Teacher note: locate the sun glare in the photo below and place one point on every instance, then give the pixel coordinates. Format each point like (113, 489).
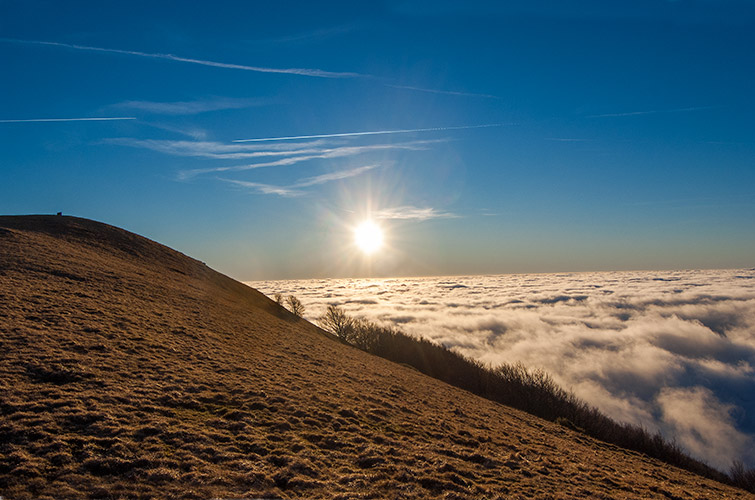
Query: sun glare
(368, 236)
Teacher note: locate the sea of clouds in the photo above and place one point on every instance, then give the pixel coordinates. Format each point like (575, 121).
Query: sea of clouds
(671, 351)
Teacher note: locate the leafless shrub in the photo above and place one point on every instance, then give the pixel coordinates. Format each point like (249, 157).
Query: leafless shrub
(295, 305)
(337, 322)
(742, 477)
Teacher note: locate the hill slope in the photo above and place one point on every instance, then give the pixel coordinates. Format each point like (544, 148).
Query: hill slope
(130, 370)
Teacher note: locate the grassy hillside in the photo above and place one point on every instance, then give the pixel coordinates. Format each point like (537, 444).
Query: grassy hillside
(128, 370)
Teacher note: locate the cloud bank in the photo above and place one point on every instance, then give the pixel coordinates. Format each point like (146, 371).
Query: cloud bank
(672, 351)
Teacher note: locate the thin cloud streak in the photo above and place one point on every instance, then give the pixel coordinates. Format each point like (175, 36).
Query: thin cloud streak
(42, 120)
(294, 189)
(376, 132)
(412, 213)
(196, 133)
(565, 139)
(653, 112)
(265, 188)
(334, 176)
(217, 150)
(446, 92)
(307, 36)
(316, 73)
(189, 107)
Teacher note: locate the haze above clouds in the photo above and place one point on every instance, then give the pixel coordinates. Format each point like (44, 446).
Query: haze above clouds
(672, 351)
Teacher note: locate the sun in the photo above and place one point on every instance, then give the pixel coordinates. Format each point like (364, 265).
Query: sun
(369, 237)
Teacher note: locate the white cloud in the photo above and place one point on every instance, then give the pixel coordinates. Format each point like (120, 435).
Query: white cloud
(703, 424)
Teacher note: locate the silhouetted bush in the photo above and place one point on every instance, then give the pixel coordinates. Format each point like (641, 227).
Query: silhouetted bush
(337, 322)
(534, 392)
(744, 478)
(295, 306)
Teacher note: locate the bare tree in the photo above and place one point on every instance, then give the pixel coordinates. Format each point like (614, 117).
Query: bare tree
(295, 306)
(278, 298)
(337, 322)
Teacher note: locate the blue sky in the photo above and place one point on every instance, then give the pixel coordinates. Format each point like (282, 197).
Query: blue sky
(530, 136)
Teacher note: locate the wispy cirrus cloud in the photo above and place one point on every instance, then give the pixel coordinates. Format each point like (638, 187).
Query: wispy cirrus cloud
(196, 133)
(265, 188)
(326, 153)
(373, 132)
(217, 150)
(42, 120)
(653, 112)
(295, 189)
(412, 213)
(311, 72)
(334, 176)
(291, 153)
(189, 107)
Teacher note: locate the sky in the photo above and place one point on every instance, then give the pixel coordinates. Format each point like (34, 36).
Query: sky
(482, 137)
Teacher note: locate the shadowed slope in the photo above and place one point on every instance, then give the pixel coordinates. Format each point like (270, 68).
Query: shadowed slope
(130, 370)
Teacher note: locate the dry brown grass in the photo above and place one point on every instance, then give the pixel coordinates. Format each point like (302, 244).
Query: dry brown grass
(128, 370)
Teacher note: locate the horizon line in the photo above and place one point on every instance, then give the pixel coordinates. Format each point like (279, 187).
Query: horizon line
(511, 273)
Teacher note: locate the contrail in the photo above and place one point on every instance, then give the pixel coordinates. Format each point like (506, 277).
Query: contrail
(653, 112)
(106, 119)
(447, 92)
(376, 132)
(291, 71)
